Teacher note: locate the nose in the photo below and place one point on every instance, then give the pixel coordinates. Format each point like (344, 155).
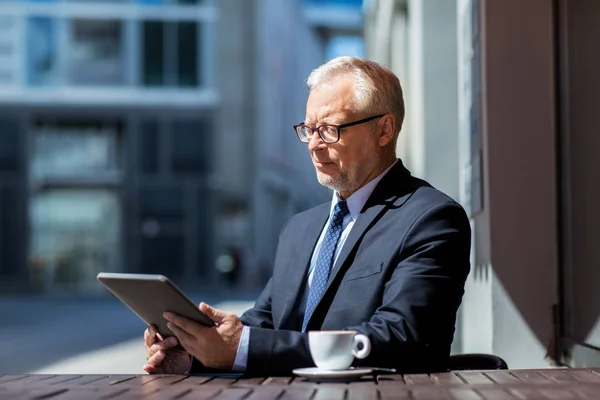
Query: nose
(315, 142)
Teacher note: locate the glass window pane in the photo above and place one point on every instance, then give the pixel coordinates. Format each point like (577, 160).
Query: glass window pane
(187, 53)
(153, 70)
(190, 147)
(67, 149)
(96, 53)
(148, 145)
(9, 145)
(9, 49)
(75, 235)
(10, 231)
(161, 203)
(42, 51)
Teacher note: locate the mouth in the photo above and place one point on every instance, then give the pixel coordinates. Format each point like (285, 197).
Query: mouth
(322, 164)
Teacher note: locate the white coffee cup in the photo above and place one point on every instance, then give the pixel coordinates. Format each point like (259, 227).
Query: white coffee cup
(335, 350)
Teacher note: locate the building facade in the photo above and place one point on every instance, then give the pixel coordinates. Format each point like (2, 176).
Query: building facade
(500, 113)
(154, 136)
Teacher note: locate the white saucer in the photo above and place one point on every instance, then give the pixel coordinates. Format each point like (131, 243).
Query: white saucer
(317, 374)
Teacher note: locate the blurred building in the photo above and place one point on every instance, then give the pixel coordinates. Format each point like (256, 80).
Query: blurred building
(151, 135)
(501, 114)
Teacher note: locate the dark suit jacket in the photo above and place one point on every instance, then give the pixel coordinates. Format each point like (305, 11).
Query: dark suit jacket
(399, 279)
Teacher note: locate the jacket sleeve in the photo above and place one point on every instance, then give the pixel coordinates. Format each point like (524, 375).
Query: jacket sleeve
(413, 327)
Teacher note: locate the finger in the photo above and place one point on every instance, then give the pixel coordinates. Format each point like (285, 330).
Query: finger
(216, 315)
(150, 336)
(166, 344)
(181, 322)
(183, 336)
(151, 369)
(157, 358)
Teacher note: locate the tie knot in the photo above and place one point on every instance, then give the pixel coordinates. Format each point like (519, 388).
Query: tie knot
(340, 210)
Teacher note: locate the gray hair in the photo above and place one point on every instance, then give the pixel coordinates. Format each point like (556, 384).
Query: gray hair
(376, 88)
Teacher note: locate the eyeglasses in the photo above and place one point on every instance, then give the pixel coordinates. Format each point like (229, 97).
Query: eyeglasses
(329, 133)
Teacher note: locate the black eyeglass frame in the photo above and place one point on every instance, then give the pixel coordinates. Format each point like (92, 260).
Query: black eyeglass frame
(338, 127)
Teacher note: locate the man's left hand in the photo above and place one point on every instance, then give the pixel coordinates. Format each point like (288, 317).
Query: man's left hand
(215, 347)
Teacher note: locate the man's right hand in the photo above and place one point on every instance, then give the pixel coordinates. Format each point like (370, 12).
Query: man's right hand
(162, 355)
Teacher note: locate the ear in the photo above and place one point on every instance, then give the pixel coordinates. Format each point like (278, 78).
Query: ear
(387, 125)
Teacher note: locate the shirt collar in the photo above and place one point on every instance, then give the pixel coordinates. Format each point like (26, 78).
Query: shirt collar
(357, 200)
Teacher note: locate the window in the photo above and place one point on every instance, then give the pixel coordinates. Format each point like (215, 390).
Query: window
(67, 149)
(153, 36)
(190, 147)
(42, 51)
(187, 55)
(9, 145)
(169, 53)
(96, 53)
(148, 137)
(8, 49)
(75, 235)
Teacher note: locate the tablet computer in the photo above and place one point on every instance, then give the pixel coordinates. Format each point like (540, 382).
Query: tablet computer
(149, 296)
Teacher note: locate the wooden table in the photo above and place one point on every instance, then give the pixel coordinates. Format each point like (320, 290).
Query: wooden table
(560, 384)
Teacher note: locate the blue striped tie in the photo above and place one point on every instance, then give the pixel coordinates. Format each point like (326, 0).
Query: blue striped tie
(325, 260)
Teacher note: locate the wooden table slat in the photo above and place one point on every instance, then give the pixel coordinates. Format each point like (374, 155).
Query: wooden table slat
(494, 393)
(417, 379)
(297, 393)
(169, 393)
(250, 382)
(430, 393)
(447, 379)
(362, 393)
(88, 380)
(472, 377)
(11, 378)
(526, 393)
(325, 392)
(137, 380)
(389, 392)
(165, 381)
(559, 375)
(395, 380)
(205, 393)
(503, 378)
(586, 392)
(233, 394)
(265, 392)
(558, 394)
(278, 380)
(130, 393)
(584, 375)
(531, 377)
(465, 394)
(30, 394)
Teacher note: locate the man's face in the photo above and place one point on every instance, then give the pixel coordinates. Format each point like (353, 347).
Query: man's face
(348, 164)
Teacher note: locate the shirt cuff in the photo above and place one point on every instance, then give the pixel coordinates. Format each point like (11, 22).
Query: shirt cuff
(241, 358)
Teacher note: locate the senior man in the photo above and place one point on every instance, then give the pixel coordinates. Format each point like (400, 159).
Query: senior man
(387, 257)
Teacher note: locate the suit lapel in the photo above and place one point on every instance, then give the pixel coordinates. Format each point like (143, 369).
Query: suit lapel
(306, 247)
(385, 194)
